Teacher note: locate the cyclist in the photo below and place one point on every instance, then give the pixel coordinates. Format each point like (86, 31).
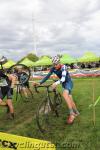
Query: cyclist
(67, 84)
(23, 79)
(6, 89)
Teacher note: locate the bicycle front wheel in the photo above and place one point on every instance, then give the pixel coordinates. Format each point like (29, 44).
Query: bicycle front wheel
(58, 99)
(55, 103)
(43, 116)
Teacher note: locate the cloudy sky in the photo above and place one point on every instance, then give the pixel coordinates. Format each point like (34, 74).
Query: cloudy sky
(49, 27)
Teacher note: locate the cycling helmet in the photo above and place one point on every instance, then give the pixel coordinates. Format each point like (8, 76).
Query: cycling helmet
(55, 60)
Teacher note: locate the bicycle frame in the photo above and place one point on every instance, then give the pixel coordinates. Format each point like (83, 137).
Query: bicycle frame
(46, 107)
(19, 91)
(47, 92)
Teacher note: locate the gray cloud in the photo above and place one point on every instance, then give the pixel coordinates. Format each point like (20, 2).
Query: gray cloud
(51, 26)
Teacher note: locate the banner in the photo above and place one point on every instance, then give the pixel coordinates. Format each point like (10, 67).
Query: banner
(13, 142)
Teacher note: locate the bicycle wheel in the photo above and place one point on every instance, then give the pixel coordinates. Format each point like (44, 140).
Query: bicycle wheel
(22, 72)
(58, 99)
(53, 106)
(43, 116)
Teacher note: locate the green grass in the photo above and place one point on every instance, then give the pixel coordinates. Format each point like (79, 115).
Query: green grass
(82, 135)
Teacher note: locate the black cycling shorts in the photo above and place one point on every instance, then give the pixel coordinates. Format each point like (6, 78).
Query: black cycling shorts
(6, 91)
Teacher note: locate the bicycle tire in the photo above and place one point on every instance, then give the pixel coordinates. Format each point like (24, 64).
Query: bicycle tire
(42, 116)
(56, 102)
(27, 72)
(59, 99)
(53, 106)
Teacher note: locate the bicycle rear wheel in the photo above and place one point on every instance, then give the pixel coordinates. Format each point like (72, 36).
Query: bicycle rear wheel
(21, 71)
(43, 116)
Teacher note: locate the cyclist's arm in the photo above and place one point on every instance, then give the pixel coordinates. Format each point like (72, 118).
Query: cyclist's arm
(47, 76)
(63, 78)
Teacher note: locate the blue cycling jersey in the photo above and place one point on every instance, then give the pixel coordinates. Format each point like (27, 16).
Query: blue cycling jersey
(62, 74)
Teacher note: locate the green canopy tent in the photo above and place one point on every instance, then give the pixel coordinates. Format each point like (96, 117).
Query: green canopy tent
(27, 62)
(67, 59)
(88, 57)
(44, 61)
(9, 64)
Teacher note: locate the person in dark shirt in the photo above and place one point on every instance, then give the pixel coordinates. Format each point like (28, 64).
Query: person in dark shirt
(65, 80)
(24, 82)
(7, 83)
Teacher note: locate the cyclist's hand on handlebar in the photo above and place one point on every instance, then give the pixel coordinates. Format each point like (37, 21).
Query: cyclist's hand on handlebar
(54, 86)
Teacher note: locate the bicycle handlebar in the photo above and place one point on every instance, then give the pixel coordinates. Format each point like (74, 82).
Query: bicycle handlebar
(45, 86)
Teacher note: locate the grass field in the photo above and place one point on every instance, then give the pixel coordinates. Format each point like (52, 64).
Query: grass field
(82, 135)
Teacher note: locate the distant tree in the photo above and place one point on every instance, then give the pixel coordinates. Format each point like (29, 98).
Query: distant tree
(46, 56)
(21, 60)
(30, 56)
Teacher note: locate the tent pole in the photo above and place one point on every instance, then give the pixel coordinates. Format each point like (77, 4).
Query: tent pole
(93, 101)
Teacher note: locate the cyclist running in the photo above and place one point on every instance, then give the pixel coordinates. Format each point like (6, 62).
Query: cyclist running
(67, 84)
(6, 89)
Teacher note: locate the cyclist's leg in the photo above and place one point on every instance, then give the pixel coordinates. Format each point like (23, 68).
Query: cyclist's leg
(27, 89)
(70, 86)
(68, 100)
(2, 95)
(74, 105)
(71, 116)
(10, 105)
(67, 87)
(9, 102)
(66, 94)
(24, 91)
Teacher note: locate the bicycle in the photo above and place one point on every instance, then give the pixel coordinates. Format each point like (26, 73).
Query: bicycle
(23, 74)
(47, 107)
(19, 93)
